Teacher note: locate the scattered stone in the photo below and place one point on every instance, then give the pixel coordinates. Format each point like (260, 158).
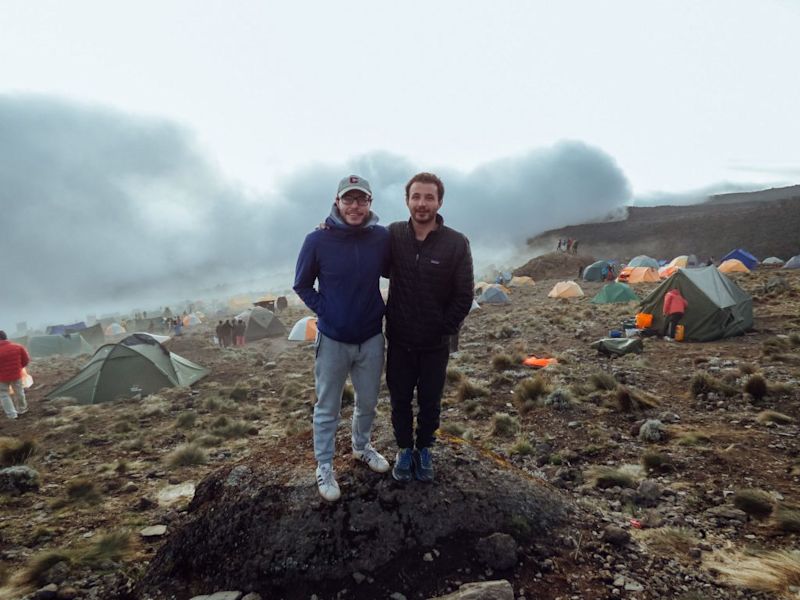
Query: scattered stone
(633, 586)
(129, 488)
(648, 493)
(498, 551)
(67, 593)
(359, 577)
(252, 596)
(427, 557)
(47, 592)
(56, 574)
(397, 596)
(481, 590)
(227, 595)
(153, 531)
(616, 536)
(18, 480)
(727, 513)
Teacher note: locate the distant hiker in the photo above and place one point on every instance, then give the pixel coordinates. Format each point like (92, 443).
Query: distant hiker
(218, 333)
(281, 303)
(430, 293)
(346, 258)
(569, 245)
(227, 334)
(580, 272)
(241, 327)
(13, 358)
(575, 247)
(558, 248)
(674, 308)
(178, 325)
(167, 313)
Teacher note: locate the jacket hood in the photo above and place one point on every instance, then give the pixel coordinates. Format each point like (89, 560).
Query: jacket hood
(336, 222)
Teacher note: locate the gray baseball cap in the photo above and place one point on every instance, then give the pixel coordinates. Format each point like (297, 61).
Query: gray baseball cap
(353, 182)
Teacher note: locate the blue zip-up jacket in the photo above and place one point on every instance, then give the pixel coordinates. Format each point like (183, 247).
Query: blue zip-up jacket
(348, 262)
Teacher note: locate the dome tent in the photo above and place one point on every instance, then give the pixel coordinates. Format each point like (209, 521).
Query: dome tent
(597, 271)
(643, 261)
(305, 330)
(566, 289)
(615, 293)
(137, 365)
(493, 295)
(261, 323)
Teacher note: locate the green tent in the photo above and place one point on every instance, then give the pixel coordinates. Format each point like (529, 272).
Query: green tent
(71, 344)
(137, 365)
(261, 323)
(718, 308)
(615, 293)
(618, 346)
(93, 335)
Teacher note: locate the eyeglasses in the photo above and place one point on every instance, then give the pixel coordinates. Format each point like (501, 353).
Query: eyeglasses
(361, 201)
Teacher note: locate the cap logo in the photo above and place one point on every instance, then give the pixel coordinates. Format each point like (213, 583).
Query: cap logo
(354, 180)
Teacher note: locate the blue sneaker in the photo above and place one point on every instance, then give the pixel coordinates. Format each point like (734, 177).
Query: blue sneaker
(403, 465)
(423, 465)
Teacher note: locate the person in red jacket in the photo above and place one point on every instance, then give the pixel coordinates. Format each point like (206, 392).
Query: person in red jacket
(674, 308)
(13, 358)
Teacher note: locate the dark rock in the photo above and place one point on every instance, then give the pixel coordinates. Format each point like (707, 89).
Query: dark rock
(18, 480)
(648, 493)
(47, 592)
(498, 551)
(265, 529)
(616, 536)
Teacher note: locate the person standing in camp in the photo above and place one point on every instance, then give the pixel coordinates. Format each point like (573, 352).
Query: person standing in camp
(227, 333)
(575, 247)
(430, 294)
(346, 257)
(13, 359)
(675, 306)
(218, 332)
(241, 327)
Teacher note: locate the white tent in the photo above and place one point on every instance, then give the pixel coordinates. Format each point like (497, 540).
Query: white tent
(305, 330)
(566, 289)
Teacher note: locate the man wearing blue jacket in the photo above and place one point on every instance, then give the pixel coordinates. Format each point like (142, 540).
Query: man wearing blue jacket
(346, 258)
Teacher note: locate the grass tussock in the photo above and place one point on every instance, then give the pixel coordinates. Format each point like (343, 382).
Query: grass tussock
(82, 490)
(454, 375)
(37, 567)
(186, 420)
(772, 572)
(669, 541)
(772, 416)
(693, 438)
(747, 368)
(560, 399)
(521, 448)
(502, 362)
(780, 389)
(529, 391)
(468, 390)
(756, 386)
(453, 428)
(187, 455)
(776, 346)
(656, 462)
(600, 380)
(504, 425)
(607, 477)
(239, 393)
(630, 400)
(787, 519)
(703, 383)
(15, 452)
(111, 546)
(756, 503)
(207, 441)
(234, 429)
(794, 339)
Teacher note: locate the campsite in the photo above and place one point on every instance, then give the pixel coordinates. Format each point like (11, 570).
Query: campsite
(676, 468)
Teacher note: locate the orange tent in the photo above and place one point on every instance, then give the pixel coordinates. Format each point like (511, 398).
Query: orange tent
(638, 275)
(667, 271)
(733, 265)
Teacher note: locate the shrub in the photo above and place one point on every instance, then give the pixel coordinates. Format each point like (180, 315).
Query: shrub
(186, 420)
(559, 399)
(600, 380)
(775, 346)
(629, 400)
(794, 339)
(606, 477)
(656, 462)
(453, 428)
(187, 455)
(112, 546)
(771, 416)
(787, 518)
(756, 386)
(454, 375)
(531, 388)
(239, 393)
(669, 540)
(652, 430)
(38, 566)
(502, 362)
(207, 441)
(15, 452)
(703, 383)
(468, 390)
(754, 502)
(472, 408)
(747, 368)
(504, 425)
(521, 448)
(83, 490)
(234, 429)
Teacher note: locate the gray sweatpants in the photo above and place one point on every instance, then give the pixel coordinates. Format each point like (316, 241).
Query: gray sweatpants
(19, 396)
(335, 361)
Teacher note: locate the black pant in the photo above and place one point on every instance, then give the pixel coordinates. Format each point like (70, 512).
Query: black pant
(426, 371)
(670, 322)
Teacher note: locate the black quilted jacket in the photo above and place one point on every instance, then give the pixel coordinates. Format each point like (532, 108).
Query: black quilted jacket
(430, 286)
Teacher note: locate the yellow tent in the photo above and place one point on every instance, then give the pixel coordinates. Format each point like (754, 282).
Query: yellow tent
(638, 275)
(566, 289)
(679, 261)
(733, 265)
(521, 281)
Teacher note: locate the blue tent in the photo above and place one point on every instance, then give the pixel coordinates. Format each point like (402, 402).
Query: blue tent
(62, 329)
(748, 260)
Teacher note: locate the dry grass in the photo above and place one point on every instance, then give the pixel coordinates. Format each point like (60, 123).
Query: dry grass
(747, 368)
(521, 448)
(781, 389)
(776, 346)
(468, 390)
(787, 519)
(502, 362)
(693, 438)
(528, 392)
(454, 375)
(34, 571)
(600, 380)
(772, 416)
(630, 400)
(773, 572)
(15, 452)
(606, 477)
(656, 462)
(756, 386)
(80, 490)
(186, 420)
(703, 383)
(187, 455)
(504, 425)
(673, 542)
(453, 428)
(111, 546)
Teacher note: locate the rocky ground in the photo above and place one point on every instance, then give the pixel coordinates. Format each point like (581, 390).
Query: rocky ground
(676, 471)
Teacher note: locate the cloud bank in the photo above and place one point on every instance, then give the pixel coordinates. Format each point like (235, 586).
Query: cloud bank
(100, 206)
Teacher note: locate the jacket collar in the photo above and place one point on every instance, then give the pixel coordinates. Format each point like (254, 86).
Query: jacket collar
(335, 221)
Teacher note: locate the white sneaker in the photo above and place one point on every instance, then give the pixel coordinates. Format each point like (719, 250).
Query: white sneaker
(372, 458)
(326, 483)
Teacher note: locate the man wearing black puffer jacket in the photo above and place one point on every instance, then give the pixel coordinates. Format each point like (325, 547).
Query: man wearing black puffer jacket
(430, 294)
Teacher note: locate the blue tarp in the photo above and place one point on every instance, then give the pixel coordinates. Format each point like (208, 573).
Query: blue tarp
(62, 329)
(749, 261)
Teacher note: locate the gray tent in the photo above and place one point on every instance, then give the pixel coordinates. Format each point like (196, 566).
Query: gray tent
(644, 261)
(493, 295)
(717, 307)
(93, 335)
(261, 323)
(71, 344)
(792, 263)
(137, 365)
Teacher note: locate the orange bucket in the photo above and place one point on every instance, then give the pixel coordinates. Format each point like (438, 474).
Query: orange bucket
(679, 333)
(643, 320)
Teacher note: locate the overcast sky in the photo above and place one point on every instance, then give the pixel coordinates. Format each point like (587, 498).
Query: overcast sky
(195, 113)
